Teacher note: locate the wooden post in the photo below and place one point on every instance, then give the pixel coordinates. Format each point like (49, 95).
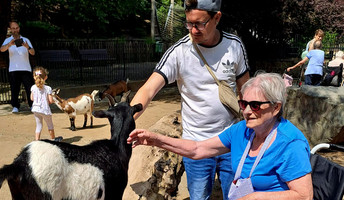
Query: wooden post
(172, 18)
(153, 19)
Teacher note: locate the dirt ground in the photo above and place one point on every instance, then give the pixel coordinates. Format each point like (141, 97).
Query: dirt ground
(17, 130)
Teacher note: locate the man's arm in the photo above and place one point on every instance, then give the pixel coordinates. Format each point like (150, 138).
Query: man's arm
(5, 47)
(148, 91)
(241, 82)
(29, 48)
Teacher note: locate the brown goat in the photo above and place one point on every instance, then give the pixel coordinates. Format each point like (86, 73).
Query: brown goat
(117, 88)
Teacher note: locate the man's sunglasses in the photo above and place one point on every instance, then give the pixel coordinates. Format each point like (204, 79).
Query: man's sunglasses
(254, 105)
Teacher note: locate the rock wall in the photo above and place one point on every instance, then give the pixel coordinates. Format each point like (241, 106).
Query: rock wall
(318, 111)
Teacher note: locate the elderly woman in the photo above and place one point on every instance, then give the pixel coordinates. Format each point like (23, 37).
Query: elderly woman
(268, 152)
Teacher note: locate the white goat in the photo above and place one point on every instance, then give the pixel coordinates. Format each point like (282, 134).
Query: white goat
(81, 104)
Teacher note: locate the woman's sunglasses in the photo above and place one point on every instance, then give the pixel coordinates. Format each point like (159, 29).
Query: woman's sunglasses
(254, 105)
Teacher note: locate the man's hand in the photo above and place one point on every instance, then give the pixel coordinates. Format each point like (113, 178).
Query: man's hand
(11, 43)
(26, 45)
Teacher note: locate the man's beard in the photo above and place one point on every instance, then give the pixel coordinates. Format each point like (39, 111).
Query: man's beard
(16, 35)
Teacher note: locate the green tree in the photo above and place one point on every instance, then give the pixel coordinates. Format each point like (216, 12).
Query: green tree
(330, 15)
(171, 24)
(263, 24)
(84, 18)
(4, 17)
(268, 25)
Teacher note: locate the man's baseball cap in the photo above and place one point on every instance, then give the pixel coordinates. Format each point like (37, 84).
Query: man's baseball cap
(207, 5)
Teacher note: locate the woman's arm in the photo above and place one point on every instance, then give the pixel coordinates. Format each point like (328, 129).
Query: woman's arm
(303, 61)
(311, 45)
(300, 189)
(188, 148)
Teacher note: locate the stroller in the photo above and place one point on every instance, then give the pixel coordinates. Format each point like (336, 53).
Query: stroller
(327, 176)
(332, 76)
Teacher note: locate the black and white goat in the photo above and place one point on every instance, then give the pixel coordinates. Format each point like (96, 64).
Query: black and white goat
(82, 104)
(55, 170)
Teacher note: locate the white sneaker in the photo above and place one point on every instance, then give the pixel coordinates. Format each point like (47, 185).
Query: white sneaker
(58, 139)
(15, 110)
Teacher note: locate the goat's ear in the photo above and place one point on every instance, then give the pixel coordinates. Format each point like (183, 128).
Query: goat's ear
(125, 97)
(55, 91)
(137, 108)
(100, 114)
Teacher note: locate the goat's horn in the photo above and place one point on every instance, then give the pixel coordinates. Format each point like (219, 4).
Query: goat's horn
(125, 96)
(111, 100)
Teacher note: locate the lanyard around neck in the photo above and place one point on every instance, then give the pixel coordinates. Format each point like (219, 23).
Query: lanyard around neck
(261, 152)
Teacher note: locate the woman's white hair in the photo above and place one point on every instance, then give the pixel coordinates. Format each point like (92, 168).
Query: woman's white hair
(271, 85)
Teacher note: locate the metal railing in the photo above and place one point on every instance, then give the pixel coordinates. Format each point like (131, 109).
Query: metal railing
(133, 59)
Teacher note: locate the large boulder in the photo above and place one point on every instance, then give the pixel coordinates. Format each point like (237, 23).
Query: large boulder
(318, 112)
(159, 171)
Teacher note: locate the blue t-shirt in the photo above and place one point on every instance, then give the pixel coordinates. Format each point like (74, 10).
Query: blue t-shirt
(287, 158)
(316, 60)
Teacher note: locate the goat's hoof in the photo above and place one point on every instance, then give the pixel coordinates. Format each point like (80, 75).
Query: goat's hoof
(72, 128)
(175, 121)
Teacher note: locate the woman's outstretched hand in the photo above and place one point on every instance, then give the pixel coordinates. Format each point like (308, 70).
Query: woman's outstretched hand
(141, 137)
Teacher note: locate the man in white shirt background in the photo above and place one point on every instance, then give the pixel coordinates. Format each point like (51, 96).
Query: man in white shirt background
(20, 71)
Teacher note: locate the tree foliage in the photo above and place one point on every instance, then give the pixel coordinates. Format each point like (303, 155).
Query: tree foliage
(4, 17)
(261, 24)
(170, 23)
(85, 18)
(280, 20)
(267, 25)
(330, 14)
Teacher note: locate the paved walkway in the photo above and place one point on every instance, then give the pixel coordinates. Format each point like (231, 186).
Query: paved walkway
(6, 109)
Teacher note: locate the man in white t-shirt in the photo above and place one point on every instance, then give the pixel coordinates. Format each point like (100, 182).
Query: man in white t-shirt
(203, 115)
(19, 49)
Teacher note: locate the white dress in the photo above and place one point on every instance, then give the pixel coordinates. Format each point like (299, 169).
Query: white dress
(40, 99)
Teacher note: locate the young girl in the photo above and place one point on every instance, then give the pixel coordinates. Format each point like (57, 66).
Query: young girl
(41, 97)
